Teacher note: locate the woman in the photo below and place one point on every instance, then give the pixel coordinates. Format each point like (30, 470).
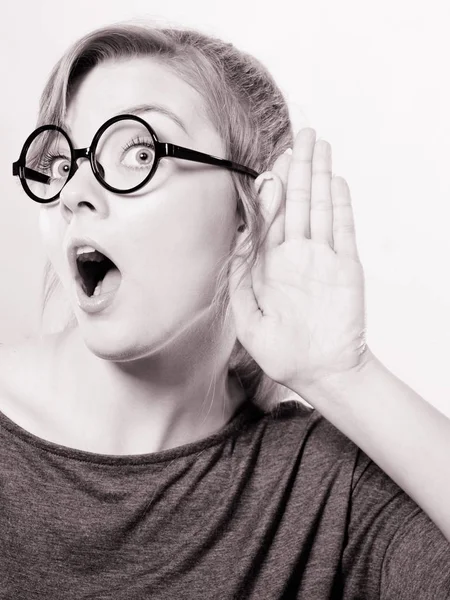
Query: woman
(209, 270)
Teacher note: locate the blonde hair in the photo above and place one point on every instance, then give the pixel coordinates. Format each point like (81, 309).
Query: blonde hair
(245, 105)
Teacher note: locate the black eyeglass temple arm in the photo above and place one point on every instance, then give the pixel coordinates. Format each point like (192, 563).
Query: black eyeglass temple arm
(40, 177)
(29, 173)
(187, 154)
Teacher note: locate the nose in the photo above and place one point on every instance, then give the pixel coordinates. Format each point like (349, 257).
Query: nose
(82, 188)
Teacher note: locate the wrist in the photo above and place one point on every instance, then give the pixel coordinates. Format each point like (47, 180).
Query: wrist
(335, 385)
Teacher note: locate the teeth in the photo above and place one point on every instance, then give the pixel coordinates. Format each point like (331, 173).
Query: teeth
(85, 249)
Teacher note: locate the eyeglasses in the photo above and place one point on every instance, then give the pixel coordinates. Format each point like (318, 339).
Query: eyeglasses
(124, 156)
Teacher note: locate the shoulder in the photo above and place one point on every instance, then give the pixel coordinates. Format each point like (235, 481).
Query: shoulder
(295, 413)
(302, 425)
(295, 443)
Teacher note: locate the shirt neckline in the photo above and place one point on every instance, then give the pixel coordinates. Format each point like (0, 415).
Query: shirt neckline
(246, 412)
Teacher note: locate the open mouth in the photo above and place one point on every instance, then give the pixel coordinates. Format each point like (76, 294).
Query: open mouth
(98, 273)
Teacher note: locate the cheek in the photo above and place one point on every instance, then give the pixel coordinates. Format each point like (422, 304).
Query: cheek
(201, 240)
(206, 213)
(183, 243)
(51, 236)
(205, 227)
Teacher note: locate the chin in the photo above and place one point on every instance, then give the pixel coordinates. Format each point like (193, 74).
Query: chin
(121, 342)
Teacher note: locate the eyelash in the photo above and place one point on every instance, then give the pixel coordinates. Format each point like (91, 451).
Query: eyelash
(48, 157)
(137, 142)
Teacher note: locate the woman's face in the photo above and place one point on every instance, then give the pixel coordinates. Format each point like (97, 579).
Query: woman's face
(169, 238)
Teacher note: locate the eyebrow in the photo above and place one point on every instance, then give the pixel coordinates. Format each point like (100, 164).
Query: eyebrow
(142, 108)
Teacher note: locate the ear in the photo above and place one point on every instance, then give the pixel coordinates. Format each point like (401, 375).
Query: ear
(270, 188)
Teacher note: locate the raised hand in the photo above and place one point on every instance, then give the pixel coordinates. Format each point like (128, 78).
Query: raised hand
(300, 312)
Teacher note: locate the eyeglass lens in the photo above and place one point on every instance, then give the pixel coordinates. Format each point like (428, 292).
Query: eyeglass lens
(125, 154)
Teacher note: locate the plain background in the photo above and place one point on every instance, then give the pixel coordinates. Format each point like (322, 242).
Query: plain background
(372, 78)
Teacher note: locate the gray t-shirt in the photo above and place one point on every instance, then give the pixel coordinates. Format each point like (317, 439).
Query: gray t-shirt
(276, 505)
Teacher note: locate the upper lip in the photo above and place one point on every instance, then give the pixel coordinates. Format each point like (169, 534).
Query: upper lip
(83, 241)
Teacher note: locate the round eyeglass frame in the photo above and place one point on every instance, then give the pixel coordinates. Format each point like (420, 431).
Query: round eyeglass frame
(162, 149)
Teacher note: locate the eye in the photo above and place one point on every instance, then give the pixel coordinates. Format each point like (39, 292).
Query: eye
(56, 165)
(139, 153)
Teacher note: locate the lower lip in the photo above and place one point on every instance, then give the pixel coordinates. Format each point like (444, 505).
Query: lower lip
(94, 304)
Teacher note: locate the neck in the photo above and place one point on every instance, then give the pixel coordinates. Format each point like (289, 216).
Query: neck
(167, 398)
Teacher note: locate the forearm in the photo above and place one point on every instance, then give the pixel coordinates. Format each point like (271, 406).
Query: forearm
(402, 433)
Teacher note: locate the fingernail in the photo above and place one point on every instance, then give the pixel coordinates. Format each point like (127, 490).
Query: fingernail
(288, 151)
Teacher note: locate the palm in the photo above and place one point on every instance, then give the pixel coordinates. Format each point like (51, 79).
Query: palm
(310, 300)
(300, 311)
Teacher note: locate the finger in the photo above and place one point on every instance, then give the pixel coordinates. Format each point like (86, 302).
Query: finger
(343, 219)
(321, 204)
(298, 192)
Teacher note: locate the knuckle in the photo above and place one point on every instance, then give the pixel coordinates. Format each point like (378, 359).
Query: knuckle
(347, 227)
(298, 194)
(301, 160)
(321, 169)
(322, 204)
